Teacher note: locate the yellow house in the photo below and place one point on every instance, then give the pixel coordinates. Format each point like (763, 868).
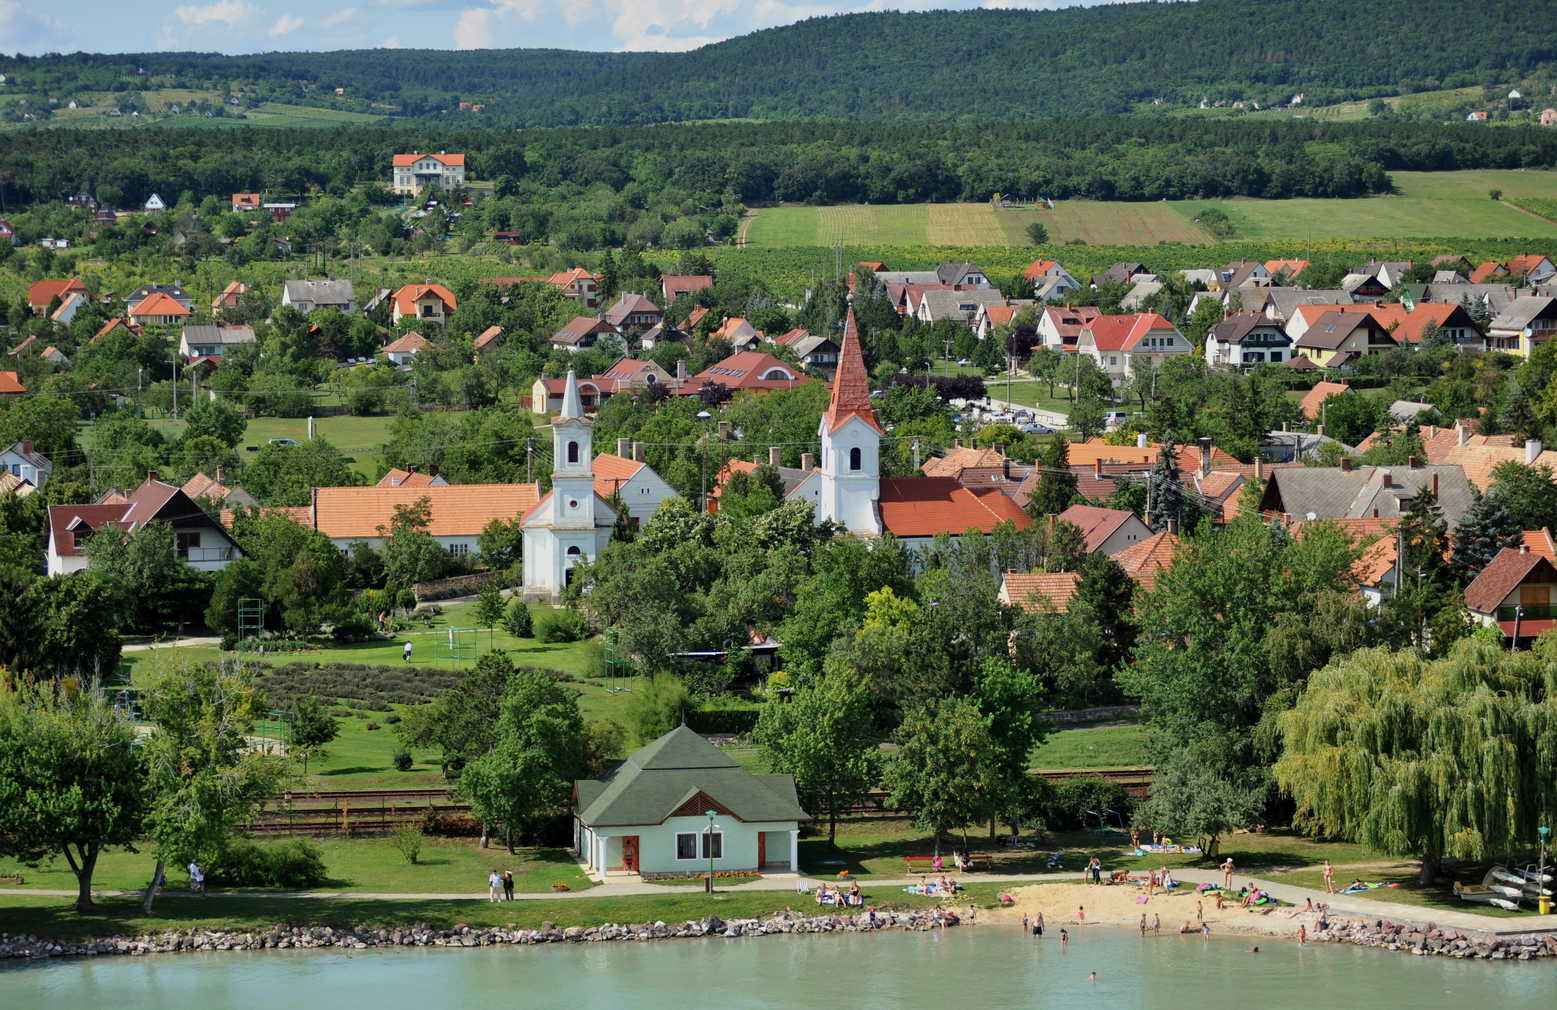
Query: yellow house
(1340, 336)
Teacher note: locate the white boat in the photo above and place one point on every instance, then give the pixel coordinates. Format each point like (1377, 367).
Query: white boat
(1534, 874)
(1483, 895)
(1508, 876)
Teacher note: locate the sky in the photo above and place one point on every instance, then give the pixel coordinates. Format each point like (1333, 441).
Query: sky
(247, 26)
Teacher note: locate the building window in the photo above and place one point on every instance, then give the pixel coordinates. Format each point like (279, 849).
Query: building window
(712, 840)
(574, 552)
(686, 846)
(459, 550)
(572, 452)
(185, 542)
(854, 458)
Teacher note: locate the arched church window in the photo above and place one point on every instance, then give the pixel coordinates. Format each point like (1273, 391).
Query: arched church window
(572, 452)
(854, 458)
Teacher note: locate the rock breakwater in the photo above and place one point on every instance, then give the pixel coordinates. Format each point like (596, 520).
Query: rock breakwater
(282, 937)
(1428, 940)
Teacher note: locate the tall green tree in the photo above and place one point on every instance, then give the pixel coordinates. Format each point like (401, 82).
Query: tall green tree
(1441, 758)
(538, 751)
(460, 723)
(203, 776)
(1527, 492)
(71, 780)
(309, 727)
(825, 736)
(1486, 528)
(946, 773)
(1056, 490)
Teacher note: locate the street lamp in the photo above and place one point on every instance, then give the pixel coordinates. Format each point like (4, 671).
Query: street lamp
(1540, 874)
(708, 843)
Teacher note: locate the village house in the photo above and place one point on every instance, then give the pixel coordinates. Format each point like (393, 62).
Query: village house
(1050, 281)
(624, 478)
(22, 461)
(990, 317)
(242, 202)
(414, 477)
(199, 342)
(1245, 339)
(404, 348)
(673, 286)
(214, 490)
(1337, 337)
(1241, 273)
(1122, 273)
(1527, 322)
(678, 806)
(740, 334)
(1314, 399)
(306, 296)
(173, 291)
(1039, 592)
(1365, 492)
(1059, 326)
(634, 312)
(153, 204)
(229, 298)
(572, 523)
(1532, 267)
(118, 324)
(959, 306)
(199, 541)
(411, 172)
(582, 333)
(1117, 344)
(746, 370)
(159, 309)
(813, 351)
(625, 375)
(457, 513)
(8, 232)
(1515, 594)
(10, 385)
(1107, 530)
(1285, 271)
(423, 303)
(41, 294)
(577, 284)
(486, 339)
(1414, 324)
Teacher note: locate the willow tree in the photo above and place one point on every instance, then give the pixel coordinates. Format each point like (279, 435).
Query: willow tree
(1446, 758)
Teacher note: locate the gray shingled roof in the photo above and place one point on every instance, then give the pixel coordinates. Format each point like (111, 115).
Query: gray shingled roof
(1334, 493)
(1287, 300)
(659, 777)
(338, 292)
(1523, 311)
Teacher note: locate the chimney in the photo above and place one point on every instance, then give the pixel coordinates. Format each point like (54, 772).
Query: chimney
(1411, 462)
(26, 445)
(1532, 450)
(623, 447)
(313, 507)
(956, 443)
(1319, 430)
(1433, 483)
(1384, 480)
(1524, 548)
(1286, 426)
(808, 461)
(1000, 447)
(1097, 468)
(775, 456)
(1346, 464)
(151, 475)
(1140, 440)
(681, 370)
(1459, 433)
(1205, 456)
(724, 431)
(1375, 512)
(638, 452)
(1148, 517)
(218, 475)
(1173, 527)
(1259, 469)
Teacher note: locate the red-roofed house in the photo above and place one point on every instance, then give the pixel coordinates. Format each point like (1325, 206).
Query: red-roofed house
(576, 284)
(746, 370)
(245, 201)
(1411, 326)
(425, 303)
(413, 171)
(486, 338)
(1315, 398)
(1533, 267)
(1060, 326)
(1292, 268)
(158, 309)
(413, 477)
(198, 539)
(673, 286)
(1106, 530)
(1116, 343)
(1143, 560)
(631, 482)
(40, 294)
(1515, 594)
(117, 324)
(1039, 592)
(406, 347)
(625, 375)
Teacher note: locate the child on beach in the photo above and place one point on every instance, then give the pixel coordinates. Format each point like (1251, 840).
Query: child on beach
(1200, 911)
(1081, 913)
(1038, 925)
(1064, 938)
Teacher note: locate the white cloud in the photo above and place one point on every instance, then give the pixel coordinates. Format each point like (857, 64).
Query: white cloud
(23, 29)
(223, 12)
(341, 16)
(473, 30)
(286, 24)
(393, 42)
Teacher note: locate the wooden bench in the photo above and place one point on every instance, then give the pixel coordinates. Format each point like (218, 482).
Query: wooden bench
(920, 864)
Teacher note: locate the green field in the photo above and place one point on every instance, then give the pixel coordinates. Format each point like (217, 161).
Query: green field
(1112, 746)
(1428, 205)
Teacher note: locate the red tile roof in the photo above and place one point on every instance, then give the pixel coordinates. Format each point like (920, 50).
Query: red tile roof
(957, 460)
(612, 471)
(1097, 524)
(746, 370)
(41, 293)
(1540, 542)
(408, 342)
(397, 477)
(407, 297)
(159, 303)
(851, 384)
(1038, 268)
(1511, 567)
(456, 509)
(1144, 559)
(1292, 267)
(488, 335)
(114, 324)
(926, 506)
(10, 384)
(1040, 592)
(450, 160)
(1521, 265)
(1486, 271)
(1316, 397)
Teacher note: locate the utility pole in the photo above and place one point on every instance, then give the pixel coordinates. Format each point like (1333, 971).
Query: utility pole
(529, 457)
(175, 382)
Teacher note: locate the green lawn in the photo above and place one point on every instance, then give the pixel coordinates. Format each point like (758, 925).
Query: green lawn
(969, 224)
(1429, 204)
(1030, 393)
(361, 438)
(1113, 746)
(367, 865)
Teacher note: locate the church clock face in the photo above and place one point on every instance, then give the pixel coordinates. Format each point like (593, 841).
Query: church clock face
(572, 504)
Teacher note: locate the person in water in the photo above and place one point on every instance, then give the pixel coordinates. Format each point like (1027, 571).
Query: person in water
(1038, 925)
(1093, 977)
(1064, 938)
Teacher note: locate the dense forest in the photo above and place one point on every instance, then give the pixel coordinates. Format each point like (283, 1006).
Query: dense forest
(705, 165)
(987, 65)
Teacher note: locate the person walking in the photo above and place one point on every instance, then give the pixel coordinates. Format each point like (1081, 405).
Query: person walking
(1200, 911)
(1227, 873)
(1038, 925)
(1156, 924)
(508, 885)
(494, 884)
(196, 878)
(1143, 923)
(1096, 866)
(405, 652)
(1329, 877)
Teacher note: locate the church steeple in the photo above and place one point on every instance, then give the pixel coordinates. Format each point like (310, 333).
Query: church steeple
(851, 442)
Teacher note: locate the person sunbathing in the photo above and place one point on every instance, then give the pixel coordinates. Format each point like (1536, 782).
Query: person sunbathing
(1186, 928)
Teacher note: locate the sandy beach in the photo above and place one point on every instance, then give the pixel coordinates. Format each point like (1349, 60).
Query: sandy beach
(1116, 905)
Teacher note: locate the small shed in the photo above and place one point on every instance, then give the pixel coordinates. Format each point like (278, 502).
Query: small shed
(650, 814)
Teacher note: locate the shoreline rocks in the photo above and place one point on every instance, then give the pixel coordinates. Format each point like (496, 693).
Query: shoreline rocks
(1427, 940)
(283, 937)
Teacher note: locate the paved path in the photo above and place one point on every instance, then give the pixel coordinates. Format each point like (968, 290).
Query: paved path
(173, 643)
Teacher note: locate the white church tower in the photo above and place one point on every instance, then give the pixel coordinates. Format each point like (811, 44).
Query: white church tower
(851, 444)
(572, 524)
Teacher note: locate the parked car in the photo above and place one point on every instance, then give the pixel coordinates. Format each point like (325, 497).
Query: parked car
(1034, 428)
(286, 441)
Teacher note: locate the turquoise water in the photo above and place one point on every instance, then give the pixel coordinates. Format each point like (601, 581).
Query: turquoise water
(981, 968)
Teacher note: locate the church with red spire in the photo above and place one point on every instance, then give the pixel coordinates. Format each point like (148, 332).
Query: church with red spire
(852, 491)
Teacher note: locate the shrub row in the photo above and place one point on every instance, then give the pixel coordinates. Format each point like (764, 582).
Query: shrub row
(295, 864)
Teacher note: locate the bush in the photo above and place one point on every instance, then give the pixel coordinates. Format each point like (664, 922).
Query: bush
(403, 762)
(296, 864)
(271, 643)
(407, 839)
(1082, 793)
(392, 718)
(723, 721)
(657, 707)
(370, 727)
(517, 621)
(1037, 234)
(356, 628)
(560, 626)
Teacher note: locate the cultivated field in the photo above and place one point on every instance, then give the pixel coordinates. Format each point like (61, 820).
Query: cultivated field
(1428, 205)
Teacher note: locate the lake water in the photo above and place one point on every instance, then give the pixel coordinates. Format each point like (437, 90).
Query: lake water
(982, 968)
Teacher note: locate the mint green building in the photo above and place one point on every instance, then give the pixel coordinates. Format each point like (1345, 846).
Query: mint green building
(649, 814)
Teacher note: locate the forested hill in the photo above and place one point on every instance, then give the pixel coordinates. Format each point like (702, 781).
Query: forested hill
(969, 65)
